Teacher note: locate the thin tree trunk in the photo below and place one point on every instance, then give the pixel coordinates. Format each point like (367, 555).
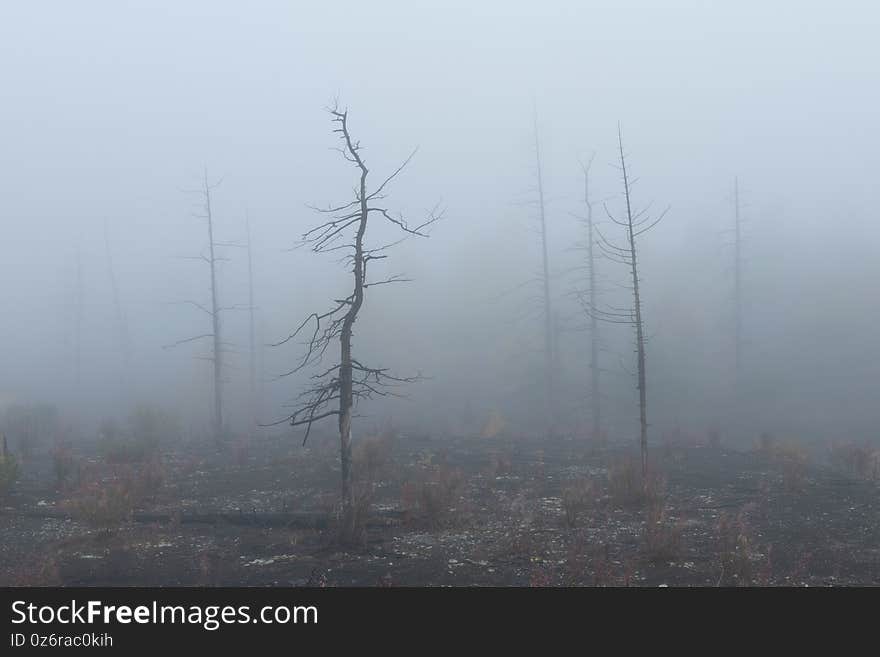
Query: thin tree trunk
(640, 337)
(78, 318)
(737, 290)
(594, 323)
(346, 397)
(252, 364)
(548, 312)
(215, 319)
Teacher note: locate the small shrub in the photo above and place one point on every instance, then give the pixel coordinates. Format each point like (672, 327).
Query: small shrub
(624, 482)
(627, 488)
(434, 498)
(577, 498)
(500, 465)
(64, 465)
(862, 461)
(103, 505)
(9, 473)
(607, 572)
(540, 577)
(372, 456)
(352, 523)
(793, 461)
(735, 552)
(661, 537)
(766, 442)
(794, 470)
(31, 425)
(123, 451)
(148, 479)
(493, 426)
(518, 545)
(151, 426)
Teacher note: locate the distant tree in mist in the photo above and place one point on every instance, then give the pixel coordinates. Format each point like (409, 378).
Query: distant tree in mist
(78, 318)
(737, 284)
(337, 389)
(252, 340)
(635, 223)
(218, 347)
(546, 300)
(589, 299)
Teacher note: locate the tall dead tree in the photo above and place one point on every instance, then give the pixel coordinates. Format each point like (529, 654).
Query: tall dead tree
(252, 344)
(211, 259)
(737, 284)
(635, 223)
(338, 388)
(549, 330)
(78, 317)
(217, 351)
(591, 301)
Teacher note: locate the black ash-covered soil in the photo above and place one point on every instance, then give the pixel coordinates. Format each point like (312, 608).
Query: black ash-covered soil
(445, 511)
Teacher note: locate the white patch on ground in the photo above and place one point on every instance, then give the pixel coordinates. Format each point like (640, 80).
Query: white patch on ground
(269, 560)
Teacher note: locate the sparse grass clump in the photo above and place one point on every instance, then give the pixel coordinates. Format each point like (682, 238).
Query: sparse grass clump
(577, 497)
(737, 554)
(794, 469)
(123, 451)
(662, 536)
(792, 459)
(104, 505)
(351, 529)
(500, 464)
(65, 467)
(372, 456)
(627, 487)
(9, 473)
(860, 460)
(434, 499)
(30, 426)
(106, 500)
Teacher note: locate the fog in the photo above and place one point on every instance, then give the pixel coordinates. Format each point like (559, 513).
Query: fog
(112, 111)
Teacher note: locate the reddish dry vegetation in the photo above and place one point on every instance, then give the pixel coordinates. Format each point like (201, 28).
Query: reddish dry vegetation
(446, 511)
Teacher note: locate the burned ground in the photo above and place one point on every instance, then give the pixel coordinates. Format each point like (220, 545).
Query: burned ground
(444, 511)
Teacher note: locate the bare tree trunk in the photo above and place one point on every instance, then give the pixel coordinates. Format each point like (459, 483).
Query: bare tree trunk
(637, 302)
(737, 286)
(346, 397)
(549, 383)
(217, 356)
(595, 398)
(635, 224)
(335, 391)
(252, 345)
(78, 319)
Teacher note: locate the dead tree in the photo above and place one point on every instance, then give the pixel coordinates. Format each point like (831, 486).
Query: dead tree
(217, 351)
(591, 301)
(337, 389)
(78, 317)
(737, 284)
(549, 330)
(635, 223)
(211, 259)
(252, 351)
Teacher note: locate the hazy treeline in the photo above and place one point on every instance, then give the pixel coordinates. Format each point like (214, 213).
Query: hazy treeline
(106, 135)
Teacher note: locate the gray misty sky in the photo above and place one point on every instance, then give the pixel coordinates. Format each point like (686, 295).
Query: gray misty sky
(110, 110)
